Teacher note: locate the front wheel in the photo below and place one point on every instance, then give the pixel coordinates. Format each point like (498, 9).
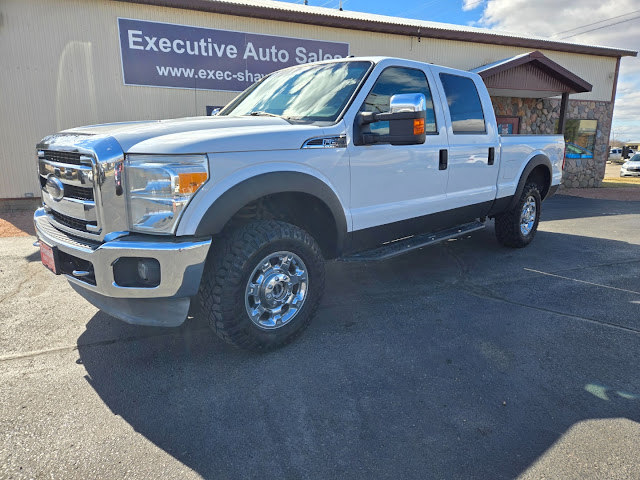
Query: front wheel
(517, 227)
(262, 284)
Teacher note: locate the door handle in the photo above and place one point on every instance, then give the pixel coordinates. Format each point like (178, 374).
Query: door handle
(444, 159)
(492, 155)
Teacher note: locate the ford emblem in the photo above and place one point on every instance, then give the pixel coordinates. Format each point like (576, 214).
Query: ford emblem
(55, 188)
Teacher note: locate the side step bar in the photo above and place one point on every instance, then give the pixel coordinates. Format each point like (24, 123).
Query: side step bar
(398, 247)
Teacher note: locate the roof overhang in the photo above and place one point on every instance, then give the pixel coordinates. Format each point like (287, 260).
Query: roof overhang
(530, 75)
(326, 17)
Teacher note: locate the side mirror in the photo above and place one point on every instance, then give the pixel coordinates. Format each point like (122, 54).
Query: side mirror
(406, 117)
(408, 102)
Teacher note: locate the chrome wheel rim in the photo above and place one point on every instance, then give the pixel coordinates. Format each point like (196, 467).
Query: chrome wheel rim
(276, 290)
(528, 215)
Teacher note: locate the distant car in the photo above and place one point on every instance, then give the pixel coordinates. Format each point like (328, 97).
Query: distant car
(615, 154)
(576, 151)
(631, 168)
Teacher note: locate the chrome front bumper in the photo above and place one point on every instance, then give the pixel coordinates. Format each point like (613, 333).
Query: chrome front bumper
(181, 266)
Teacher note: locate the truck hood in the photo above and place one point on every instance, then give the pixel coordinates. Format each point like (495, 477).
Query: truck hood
(204, 134)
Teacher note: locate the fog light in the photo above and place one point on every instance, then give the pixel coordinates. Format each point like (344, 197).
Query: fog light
(136, 272)
(149, 270)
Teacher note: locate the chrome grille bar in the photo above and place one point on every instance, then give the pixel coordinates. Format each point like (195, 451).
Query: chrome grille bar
(76, 208)
(78, 175)
(83, 167)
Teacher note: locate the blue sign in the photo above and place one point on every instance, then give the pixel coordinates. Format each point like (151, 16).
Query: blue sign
(179, 56)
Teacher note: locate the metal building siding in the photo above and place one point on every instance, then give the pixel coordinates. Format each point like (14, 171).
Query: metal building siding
(61, 68)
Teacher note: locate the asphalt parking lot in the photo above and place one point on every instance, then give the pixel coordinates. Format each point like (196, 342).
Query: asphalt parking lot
(463, 360)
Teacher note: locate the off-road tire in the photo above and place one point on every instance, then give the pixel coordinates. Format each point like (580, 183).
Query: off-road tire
(231, 261)
(507, 224)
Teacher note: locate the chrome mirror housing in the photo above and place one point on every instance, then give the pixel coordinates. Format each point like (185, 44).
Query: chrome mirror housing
(408, 102)
(406, 117)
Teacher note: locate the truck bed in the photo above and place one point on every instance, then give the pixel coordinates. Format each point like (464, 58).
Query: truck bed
(513, 148)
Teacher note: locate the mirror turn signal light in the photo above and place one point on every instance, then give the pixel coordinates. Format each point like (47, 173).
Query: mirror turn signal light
(418, 126)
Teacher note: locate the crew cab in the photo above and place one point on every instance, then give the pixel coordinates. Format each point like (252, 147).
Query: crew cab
(357, 159)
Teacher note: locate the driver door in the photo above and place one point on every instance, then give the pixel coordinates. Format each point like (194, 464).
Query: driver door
(394, 188)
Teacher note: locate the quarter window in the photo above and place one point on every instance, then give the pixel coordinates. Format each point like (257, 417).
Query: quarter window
(464, 104)
(393, 81)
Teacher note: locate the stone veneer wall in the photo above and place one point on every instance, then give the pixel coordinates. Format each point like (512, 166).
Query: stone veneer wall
(538, 116)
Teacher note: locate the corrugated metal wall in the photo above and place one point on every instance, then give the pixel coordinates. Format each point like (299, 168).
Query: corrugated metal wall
(61, 68)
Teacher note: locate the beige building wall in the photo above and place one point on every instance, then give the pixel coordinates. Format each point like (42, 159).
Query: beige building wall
(61, 68)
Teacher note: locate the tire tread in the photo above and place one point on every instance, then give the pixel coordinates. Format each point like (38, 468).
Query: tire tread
(222, 287)
(507, 224)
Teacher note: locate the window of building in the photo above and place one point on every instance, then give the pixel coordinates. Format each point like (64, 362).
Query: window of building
(394, 81)
(464, 104)
(508, 125)
(580, 138)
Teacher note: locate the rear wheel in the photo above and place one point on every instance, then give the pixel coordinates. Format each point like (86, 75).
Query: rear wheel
(262, 284)
(517, 227)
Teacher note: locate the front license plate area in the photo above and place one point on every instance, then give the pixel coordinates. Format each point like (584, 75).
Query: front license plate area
(49, 257)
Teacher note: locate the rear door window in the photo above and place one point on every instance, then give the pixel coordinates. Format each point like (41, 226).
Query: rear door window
(464, 104)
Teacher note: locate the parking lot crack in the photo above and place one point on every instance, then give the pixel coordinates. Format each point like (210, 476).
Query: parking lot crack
(28, 277)
(597, 265)
(481, 292)
(582, 281)
(70, 348)
(463, 268)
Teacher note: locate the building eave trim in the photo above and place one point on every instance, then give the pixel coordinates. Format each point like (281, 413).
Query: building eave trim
(265, 12)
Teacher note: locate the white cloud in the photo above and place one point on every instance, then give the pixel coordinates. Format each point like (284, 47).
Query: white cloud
(555, 19)
(471, 4)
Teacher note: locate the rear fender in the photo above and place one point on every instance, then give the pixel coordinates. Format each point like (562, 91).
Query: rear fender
(533, 163)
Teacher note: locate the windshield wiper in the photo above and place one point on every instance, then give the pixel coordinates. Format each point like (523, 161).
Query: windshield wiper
(261, 113)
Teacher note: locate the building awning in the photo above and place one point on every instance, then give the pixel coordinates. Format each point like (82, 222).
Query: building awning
(530, 75)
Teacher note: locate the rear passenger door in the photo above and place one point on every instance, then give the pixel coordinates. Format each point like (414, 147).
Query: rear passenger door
(473, 145)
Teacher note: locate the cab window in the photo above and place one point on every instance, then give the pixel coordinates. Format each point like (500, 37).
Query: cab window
(464, 104)
(393, 81)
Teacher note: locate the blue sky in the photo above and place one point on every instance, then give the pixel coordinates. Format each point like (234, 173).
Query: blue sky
(446, 11)
(613, 23)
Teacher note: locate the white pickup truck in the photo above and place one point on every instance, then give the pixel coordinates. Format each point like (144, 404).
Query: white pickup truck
(330, 160)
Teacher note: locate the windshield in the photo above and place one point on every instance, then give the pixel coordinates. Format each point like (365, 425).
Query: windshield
(308, 93)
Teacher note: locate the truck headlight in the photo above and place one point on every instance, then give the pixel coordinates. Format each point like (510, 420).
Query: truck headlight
(159, 188)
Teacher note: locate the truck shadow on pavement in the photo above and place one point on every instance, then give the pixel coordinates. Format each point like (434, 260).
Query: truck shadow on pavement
(466, 360)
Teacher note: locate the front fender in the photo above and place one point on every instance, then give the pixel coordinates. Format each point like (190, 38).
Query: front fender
(222, 208)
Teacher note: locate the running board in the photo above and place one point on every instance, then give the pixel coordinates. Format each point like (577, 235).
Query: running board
(398, 247)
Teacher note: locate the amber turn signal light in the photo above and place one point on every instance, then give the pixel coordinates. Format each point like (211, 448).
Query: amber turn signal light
(190, 182)
(418, 126)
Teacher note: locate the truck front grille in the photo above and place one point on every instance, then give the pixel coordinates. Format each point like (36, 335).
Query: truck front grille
(71, 158)
(79, 193)
(70, 196)
(71, 191)
(72, 222)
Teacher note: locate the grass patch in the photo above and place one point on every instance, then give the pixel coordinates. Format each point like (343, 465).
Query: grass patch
(619, 182)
